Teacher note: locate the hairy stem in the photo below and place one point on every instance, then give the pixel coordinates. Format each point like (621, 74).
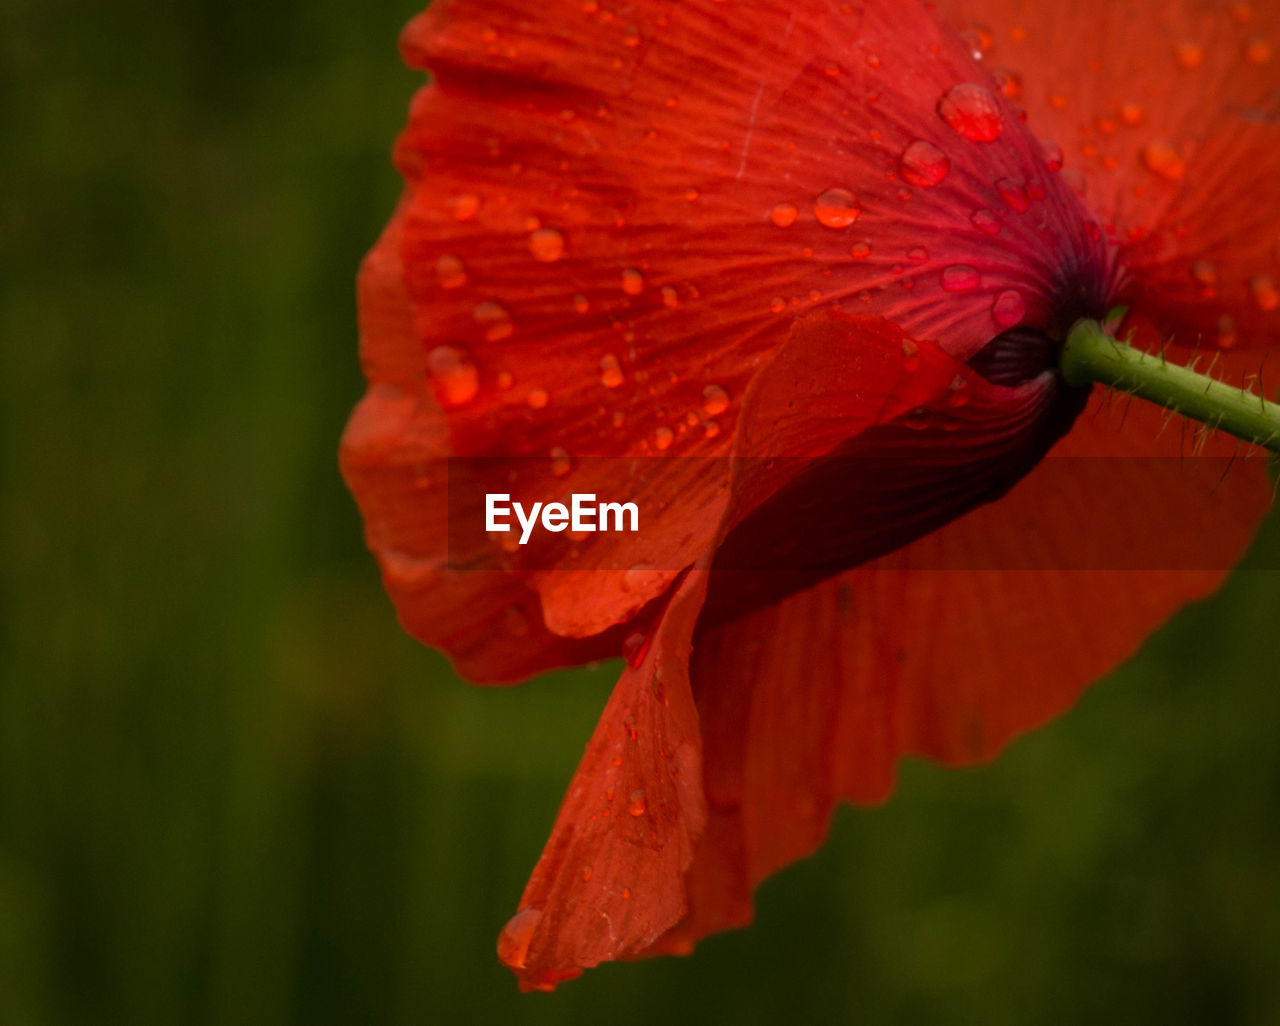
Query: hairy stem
(1090, 355)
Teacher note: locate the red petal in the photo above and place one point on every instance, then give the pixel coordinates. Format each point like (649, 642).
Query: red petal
(891, 439)
(595, 225)
(395, 460)
(610, 880)
(1168, 114)
(952, 646)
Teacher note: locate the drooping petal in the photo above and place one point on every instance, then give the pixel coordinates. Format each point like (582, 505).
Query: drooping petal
(1167, 115)
(952, 646)
(613, 218)
(611, 878)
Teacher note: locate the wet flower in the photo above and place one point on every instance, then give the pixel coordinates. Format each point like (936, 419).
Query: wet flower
(793, 277)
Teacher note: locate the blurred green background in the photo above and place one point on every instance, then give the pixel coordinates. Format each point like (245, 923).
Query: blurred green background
(231, 791)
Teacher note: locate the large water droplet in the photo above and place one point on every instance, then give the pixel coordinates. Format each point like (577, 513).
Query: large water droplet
(1163, 159)
(632, 282)
(453, 374)
(960, 278)
(973, 111)
(546, 245)
(715, 400)
(924, 164)
(636, 802)
(494, 320)
(836, 208)
(784, 215)
(450, 271)
(1008, 309)
(663, 437)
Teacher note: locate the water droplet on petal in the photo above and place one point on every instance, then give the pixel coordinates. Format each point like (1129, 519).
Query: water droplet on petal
(1013, 193)
(715, 400)
(691, 194)
(663, 437)
(1164, 160)
(546, 245)
(537, 398)
(1052, 154)
(610, 371)
(1008, 309)
(586, 873)
(1205, 275)
(777, 304)
(1264, 292)
(1257, 50)
(494, 320)
(973, 111)
(1189, 55)
(639, 576)
(1226, 332)
(1131, 113)
(632, 282)
(561, 461)
(636, 802)
(1008, 82)
(450, 271)
(581, 304)
(918, 253)
(516, 936)
(836, 208)
(454, 377)
(960, 278)
(464, 207)
(669, 296)
(636, 647)
(923, 164)
(784, 215)
(860, 250)
(985, 220)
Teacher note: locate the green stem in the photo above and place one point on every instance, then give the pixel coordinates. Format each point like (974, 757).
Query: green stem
(1090, 355)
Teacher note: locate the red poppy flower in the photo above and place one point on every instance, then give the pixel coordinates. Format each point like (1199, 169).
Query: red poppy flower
(793, 277)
